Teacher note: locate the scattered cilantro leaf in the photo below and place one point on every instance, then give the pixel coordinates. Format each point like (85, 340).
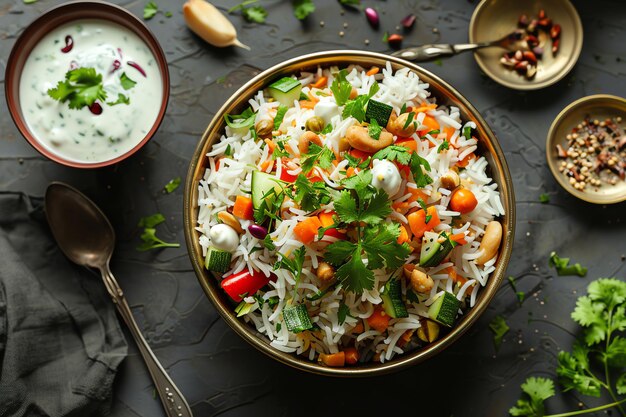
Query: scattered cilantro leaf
(355, 162)
(563, 267)
(126, 81)
(302, 8)
(403, 108)
(381, 247)
(293, 265)
(521, 295)
(82, 87)
(430, 133)
(385, 37)
(238, 121)
(148, 237)
(280, 151)
(150, 10)
(445, 145)
(321, 155)
(409, 120)
(280, 115)
(438, 62)
(418, 166)
(355, 108)
(342, 313)
(151, 221)
(309, 195)
(467, 132)
(350, 2)
(256, 14)
(30, 1)
(327, 129)
(353, 275)
(574, 372)
(168, 14)
(499, 328)
(424, 207)
(537, 390)
(268, 243)
(544, 198)
(172, 185)
(341, 88)
(394, 153)
(621, 384)
(228, 151)
(121, 99)
(374, 129)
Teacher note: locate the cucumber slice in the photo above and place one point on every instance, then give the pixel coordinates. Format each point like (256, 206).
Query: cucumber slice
(297, 318)
(261, 184)
(379, 111)
(435, 248)
(392, 299)
(444, 309)
(217, 260)
(286, 90)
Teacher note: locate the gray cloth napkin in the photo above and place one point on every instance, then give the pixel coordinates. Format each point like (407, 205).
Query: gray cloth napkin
(60, 341)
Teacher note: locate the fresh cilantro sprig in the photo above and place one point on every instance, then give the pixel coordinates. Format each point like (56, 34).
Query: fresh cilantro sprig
(309, 195)
(563, 267)
(602, 315)
(374, 129)
(321, 155)
(419, 168)
(150, 10)
(81, 88)
(356, 108)
(255, 13)
(359, 163)
(362, 206)
(149, 237)
(394, 153)
(445, 145)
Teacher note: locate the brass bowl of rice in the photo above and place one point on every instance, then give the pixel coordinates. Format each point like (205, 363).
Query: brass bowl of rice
(445, 94)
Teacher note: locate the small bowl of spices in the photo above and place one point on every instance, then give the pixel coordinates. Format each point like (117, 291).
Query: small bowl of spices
(549, 39)
(586, 149)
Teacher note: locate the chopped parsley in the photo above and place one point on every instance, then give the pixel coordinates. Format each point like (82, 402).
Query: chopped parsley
(499, 328)
(82, 87)
(374, 129)
(544, 198)
(321, 155)
(302, 8)
(172, 185)
(150, 10)
(563, 267)
(256, 14)
(148, 237)
(394, 153)
(419, 167)
(445, 145)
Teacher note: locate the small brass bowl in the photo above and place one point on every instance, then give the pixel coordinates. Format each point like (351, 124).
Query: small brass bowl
(493, 19)
(489, 147)
(600, 106)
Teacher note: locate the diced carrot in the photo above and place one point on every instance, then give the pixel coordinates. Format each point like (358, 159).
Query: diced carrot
(315, 178)
(465, 161)
(265, 165)
(417, 221)
(416, 194)
(409, 143)
(379, 320)
(326, 219)
(404, 235)
(428, 124)
(320, 83)
(356, 153)
(243, 208)
(405, 338)
(270, 144)
(306, 230)
(372, 71)
(449, 131)
(459, 238)
(217, 164)
(455, 277)
(350, 172)
(307, 104)
(313, 97)
(352, 355)
(359, 328)
(333, 359)
(424, 108)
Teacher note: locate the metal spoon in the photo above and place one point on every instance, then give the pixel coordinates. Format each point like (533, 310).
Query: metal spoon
(434, 51)
(86, 237)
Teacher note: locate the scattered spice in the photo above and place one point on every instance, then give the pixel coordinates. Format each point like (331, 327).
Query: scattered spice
(595, 153)
(524, 61)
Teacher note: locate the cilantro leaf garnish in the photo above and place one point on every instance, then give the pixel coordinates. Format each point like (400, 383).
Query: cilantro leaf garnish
(126, 81)
(321, 155)
(342, 313)
(350, 2)
(418, 167)
(150, 10)
(499, 328)
(445, 145)
(356, 108)
(293, 265)
(172, 185)
(341, 88)
(121, 99)
(409, 120)
(309, 195)
(269, 207)
(521, 295)
(467, 132)
(394, 153)
(374, 129)
(255, 14)
(544, 198)
(357, 162)
(430, 133)
(149, 237)
(280, 115)
(327, 129)
(82, 87)
(424, 207)
(280, 151)
(574, 371)
(380, 245)
(563, 267)
(302, 8)
(238, 121)
(537, 390)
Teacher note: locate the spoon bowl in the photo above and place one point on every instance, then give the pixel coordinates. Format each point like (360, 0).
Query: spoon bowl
(87, 238)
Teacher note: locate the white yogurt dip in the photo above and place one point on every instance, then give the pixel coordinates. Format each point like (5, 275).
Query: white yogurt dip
(80, 135)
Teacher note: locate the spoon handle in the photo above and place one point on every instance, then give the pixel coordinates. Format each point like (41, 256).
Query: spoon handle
(434, 51)
(173, 401)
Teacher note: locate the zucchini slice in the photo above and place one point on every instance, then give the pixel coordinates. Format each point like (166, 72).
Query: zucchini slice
(444, 309)
(286, 90)
(392, 299)
(378, 111)
(261, 184)
(297, 318)
(217, 260)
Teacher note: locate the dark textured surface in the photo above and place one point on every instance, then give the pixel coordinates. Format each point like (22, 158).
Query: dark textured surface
(218, 372)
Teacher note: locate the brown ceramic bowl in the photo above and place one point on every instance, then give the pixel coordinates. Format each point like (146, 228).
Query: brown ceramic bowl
(488, 146)
(58, 16)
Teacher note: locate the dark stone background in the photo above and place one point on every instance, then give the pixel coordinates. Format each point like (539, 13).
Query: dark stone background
(222, 375)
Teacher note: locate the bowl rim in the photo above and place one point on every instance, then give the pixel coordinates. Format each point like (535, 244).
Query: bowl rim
(529, 86)
(552, 140)
(81, 10)
(247, 333)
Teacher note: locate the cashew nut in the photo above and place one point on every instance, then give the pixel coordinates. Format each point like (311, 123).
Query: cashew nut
(359, 138)
(396, 125)
(230, 220)
(491, 242)
(421, 282)
(325, 272)
(264, 127)
(306, 138)
(450, 180)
